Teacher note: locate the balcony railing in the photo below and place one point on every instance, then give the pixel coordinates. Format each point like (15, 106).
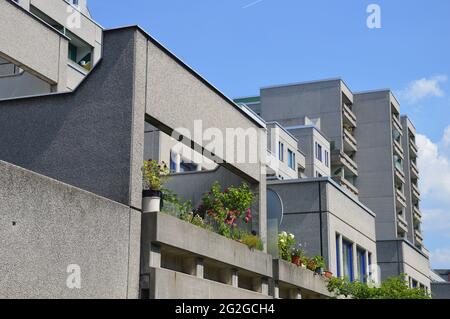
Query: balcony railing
(413, 146)
(398, 149)
(397, 124)
(402, 224)
(345, 183)
(417, 213)
(349, 115)
(339, 158)
(350, 140)
(401, 199)
(415, 191)
(414, 170)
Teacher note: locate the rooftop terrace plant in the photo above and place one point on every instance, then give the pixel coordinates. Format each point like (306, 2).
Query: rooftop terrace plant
(155, 175)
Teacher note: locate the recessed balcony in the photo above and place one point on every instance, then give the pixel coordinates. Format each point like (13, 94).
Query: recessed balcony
(339, 158)
(398, 150)
(399, 174)
(418, 237)
(417, 213)
(401, 199)
(397, 124)
(402, 226)
(346, 184)
(349, 116)
(414, 171)
(415, 191)
(413, 147)
(350, 143)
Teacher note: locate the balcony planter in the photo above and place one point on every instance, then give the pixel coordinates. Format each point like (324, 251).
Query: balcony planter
(151, 201)
(296, 260)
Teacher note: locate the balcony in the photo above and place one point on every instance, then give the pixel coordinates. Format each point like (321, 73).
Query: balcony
(398, 149)
(399, 174)
(346, 184)
(402, 224)
(418, 237)
(414, 171)
(401, 199)
(417, 213)
(349, 116)
(350, 143)
(415, 191)
(413, 147)
(339, 158)
(397, 124)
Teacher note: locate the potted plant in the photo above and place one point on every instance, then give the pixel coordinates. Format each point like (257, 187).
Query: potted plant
(320, 264)
(298, 255)
(154, 177)
(286, 243)
(328, 274)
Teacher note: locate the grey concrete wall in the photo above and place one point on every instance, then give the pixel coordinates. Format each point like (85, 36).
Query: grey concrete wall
(32, 45)
(82, 138)
(340, 214)
(22, 84)
(46, 225)
(397, 257)
(440, 290)
(375, 159)
(167, 284)
(289, 105)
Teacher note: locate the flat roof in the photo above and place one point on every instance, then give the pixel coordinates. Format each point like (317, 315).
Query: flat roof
(327, 180)
(189, 69)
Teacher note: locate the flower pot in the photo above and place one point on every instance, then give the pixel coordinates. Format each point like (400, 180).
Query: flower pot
(151, 201)
(328, 274)
(296, 260)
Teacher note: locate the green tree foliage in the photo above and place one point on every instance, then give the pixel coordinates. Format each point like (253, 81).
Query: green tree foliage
(393, 288)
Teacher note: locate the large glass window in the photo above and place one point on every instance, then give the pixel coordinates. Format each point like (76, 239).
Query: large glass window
(291, 159)
(319, 152)
(348, 260)
(362, 267)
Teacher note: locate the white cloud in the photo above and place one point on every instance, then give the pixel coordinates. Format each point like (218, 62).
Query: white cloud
(446, 138)
(434, 167)
(422, 88)
(441, 257)
(436, 221)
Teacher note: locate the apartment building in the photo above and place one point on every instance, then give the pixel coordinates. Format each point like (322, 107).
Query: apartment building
(388, 184)
(48, 46)
(440, 283)
(329, 106)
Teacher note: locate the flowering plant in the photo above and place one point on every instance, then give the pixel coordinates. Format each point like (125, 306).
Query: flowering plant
(154, 174)
(226, 208)
(286, 243)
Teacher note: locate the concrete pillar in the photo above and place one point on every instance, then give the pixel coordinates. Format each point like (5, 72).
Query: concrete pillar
(294, 293)
(199, 268)
(341, 257)
(355, 262)
(265, 286)
(155, 256)
(234, 278)
(276, 291)
(367, 265)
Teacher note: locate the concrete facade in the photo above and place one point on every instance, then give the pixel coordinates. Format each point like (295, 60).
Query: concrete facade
(318, 212)
(327, 104)
(46, 226)
(387, 186)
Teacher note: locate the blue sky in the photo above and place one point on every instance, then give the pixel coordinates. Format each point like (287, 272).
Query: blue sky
(241, 47)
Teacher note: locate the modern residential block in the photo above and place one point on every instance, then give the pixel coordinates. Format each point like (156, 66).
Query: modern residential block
(388, 184)
(329, 105)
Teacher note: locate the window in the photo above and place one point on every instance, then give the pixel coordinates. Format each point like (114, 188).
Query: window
(173, 163)
(318, 175)
(281, 151)
(348, 260)
(362, 267)
(327, 159)
(319, 152)
(338, 257)
(73, 52)
(291, 159)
